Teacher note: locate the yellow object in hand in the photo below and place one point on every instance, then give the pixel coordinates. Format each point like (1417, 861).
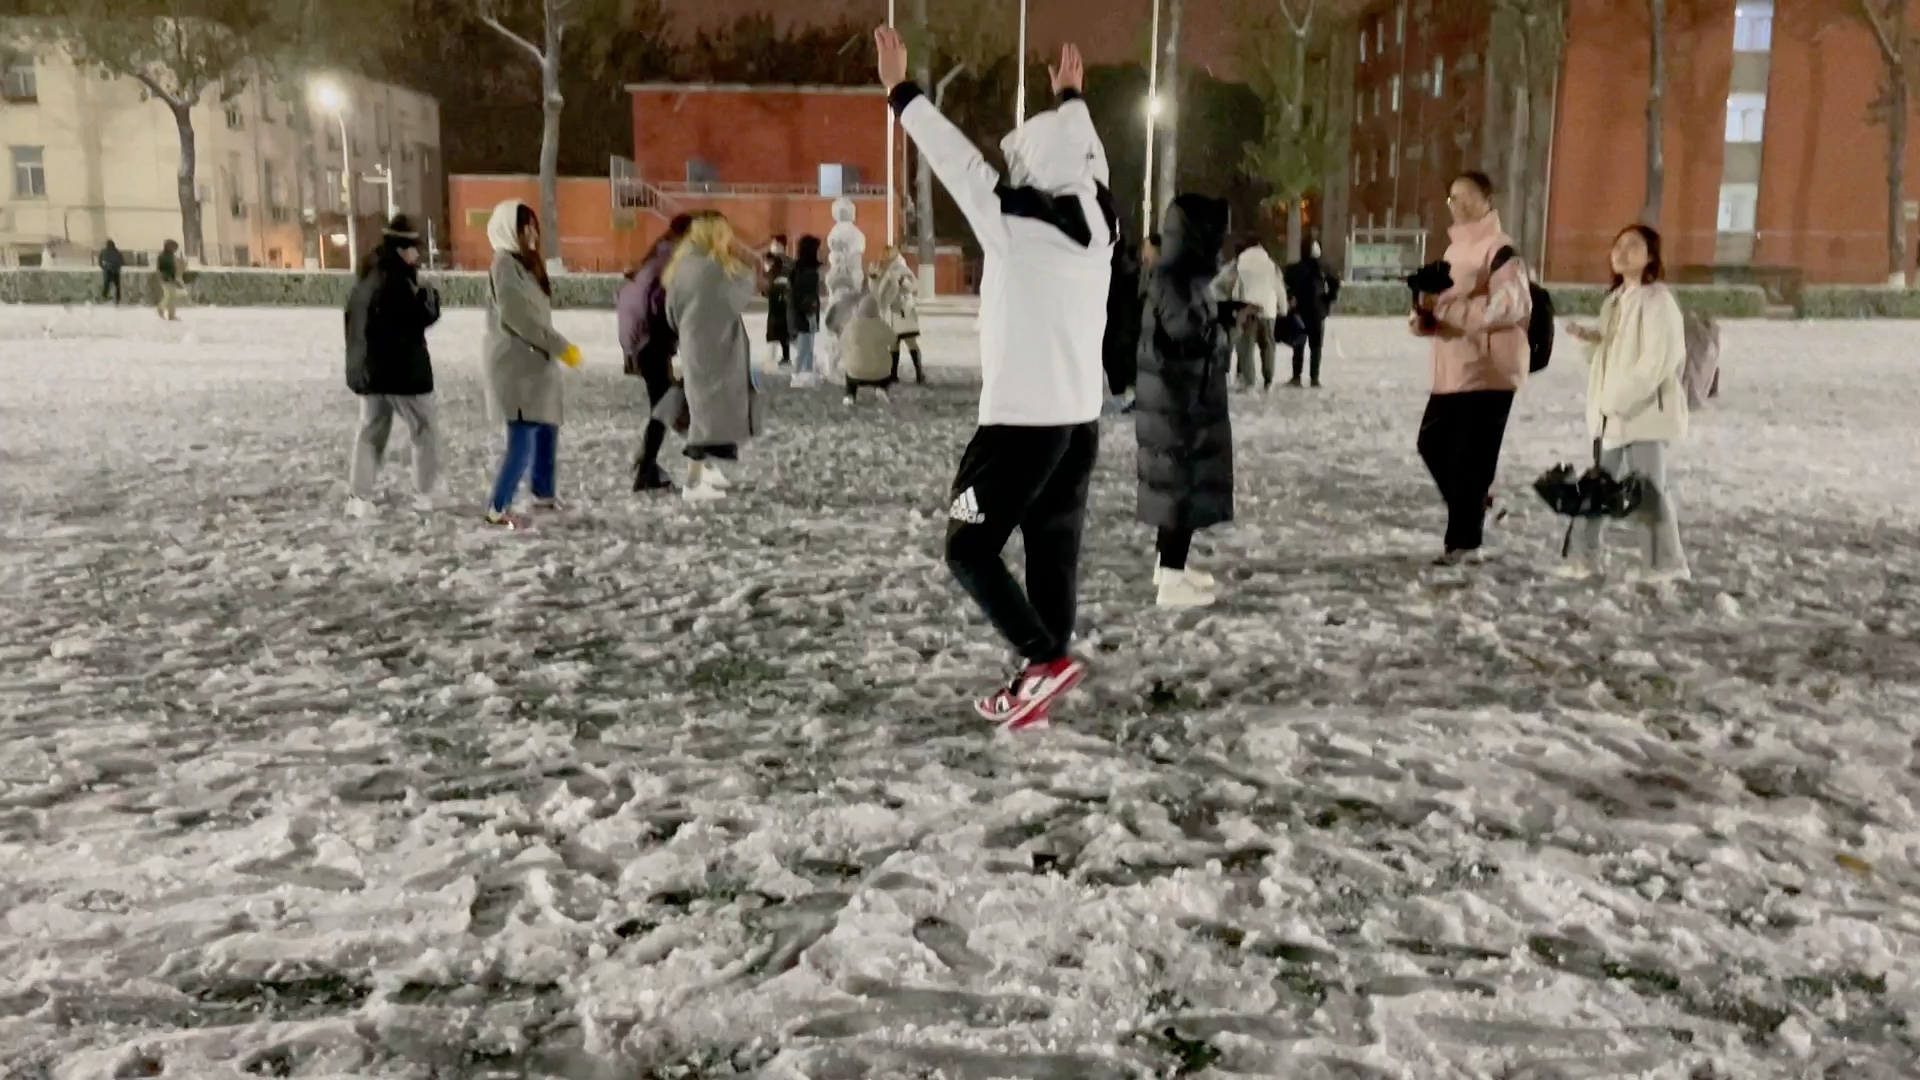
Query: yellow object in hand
(571, 357)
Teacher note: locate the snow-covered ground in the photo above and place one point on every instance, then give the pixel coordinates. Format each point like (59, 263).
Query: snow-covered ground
(659, 792)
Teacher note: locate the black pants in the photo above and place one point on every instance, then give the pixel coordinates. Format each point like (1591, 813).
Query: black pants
(110, 285)
(1460, 438)
(1311, 338)
(658, 375)
(1034, 479)
(912, 343)
(1175, 545)
(854, 385)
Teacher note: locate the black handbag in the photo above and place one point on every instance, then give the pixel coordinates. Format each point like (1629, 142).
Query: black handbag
(1594, 493)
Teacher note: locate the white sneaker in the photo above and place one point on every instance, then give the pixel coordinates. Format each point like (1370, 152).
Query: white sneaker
(1576, 570)
(849, 401)
(704, 493)
(1181, 589)
(712, 477)
(361, 508)
(1200, 577)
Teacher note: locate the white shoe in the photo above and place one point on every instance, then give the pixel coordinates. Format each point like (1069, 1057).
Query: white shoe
(1200, 577)
(1576, 570)
(714, 478)
(361, 508)
(1181, 589)
(849, 401)
(1662, 577)
(885, 398)
(704, 493)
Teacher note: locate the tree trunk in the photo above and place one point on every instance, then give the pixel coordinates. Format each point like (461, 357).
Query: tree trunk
(1297, 205)
(1897, 93)
(189, 195)
(552, 103)
(1656, 111)
(922, 172)
(1170, 110)
(1520, 129)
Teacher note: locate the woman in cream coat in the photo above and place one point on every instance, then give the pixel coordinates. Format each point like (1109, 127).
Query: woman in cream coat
(1636, 403)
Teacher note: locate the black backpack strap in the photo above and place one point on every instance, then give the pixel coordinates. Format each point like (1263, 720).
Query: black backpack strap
(1501, 257)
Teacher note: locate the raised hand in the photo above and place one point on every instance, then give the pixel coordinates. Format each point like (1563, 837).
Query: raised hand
(1071, 74)
(892, 50)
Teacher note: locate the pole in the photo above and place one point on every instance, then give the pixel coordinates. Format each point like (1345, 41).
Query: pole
(346, 180)
(1153, 121)
(891, 151)
(1020, 63)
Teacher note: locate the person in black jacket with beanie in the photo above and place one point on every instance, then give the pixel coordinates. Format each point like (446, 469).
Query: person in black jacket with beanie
(388, 313)
(1180, 397)
(803, 309)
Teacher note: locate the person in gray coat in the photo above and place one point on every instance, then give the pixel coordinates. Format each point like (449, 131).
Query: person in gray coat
(708, 289)
(521, 354)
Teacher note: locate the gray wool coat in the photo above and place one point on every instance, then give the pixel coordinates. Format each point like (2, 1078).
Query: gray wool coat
(522, 358)
(704, 306)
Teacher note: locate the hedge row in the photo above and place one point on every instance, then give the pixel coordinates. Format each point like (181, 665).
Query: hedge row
(267, 288)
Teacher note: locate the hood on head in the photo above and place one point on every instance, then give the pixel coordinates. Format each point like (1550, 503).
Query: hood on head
(1194, 231)
(1055, 152)
(503, 228)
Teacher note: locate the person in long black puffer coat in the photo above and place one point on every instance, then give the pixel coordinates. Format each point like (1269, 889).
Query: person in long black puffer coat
(1180, 397)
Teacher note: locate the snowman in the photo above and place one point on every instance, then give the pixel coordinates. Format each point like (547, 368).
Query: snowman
(846, 282)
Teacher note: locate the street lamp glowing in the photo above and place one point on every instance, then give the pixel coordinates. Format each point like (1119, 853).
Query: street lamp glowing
(1153, 105)
(329, 96)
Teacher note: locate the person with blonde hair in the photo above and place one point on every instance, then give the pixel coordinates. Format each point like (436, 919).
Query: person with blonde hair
(708, 289)
(520, 357)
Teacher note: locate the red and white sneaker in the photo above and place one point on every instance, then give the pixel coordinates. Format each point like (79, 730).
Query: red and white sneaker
(1024, 702)
(497, 519)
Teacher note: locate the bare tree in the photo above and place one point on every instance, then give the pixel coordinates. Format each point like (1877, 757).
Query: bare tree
(555, 18)
(1291, 157)
(1893, 34)
(961, 36)
(1656, 180)
(1533, 34)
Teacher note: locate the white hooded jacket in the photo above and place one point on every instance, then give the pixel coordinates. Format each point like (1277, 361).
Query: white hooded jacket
(1048, 235)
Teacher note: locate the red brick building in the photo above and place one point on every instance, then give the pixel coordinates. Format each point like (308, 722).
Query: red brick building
(1772, 158)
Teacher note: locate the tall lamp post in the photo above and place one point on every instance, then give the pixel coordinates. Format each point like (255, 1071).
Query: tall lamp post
(1020, 65)
(332, 98)
(892, 153)
(1153, 122)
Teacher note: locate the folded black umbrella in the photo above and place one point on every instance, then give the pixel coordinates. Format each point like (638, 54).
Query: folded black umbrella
(1595, 493)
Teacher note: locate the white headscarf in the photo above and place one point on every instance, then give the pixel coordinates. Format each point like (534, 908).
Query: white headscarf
(503, 228)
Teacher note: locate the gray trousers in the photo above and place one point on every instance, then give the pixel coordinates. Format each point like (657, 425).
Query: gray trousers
(370, 446)
(1256, 333)
(1656, 515)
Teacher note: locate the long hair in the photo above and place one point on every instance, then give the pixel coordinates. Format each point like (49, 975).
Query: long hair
(531, 259)
(711, 236)
(1656, 266)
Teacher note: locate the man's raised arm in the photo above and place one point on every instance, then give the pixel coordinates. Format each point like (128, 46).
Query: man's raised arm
(972, 182)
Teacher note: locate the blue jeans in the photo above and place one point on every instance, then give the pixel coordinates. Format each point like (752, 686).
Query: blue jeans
(528, 444)
(803, 352)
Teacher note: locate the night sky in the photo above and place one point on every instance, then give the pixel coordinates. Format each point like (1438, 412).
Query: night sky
(1108, 31)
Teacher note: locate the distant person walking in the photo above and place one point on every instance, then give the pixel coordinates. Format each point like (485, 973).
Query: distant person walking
(111, 263)
(388, 313)
(1181, 410)
(803, 309)
(899, 298)
(1047, 230)
(522, 359)
(1255, 283)
(647, 347)
(708, 290)
(170, 268)
(1636, 401)
(778, 267)
(1311, 290)
(1478, 327)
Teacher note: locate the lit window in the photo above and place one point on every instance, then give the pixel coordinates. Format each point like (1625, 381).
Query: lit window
(1393, 160)
(1746, 117)
(1363, 44)
(235, 119)
(1400, 24)
(29, 172)
(1753, 26)
(1439, 76)
(1737, 204)
(1394, 92)
(1380, 36)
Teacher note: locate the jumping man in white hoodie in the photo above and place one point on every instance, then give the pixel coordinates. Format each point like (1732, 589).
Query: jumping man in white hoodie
(1047, 232)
